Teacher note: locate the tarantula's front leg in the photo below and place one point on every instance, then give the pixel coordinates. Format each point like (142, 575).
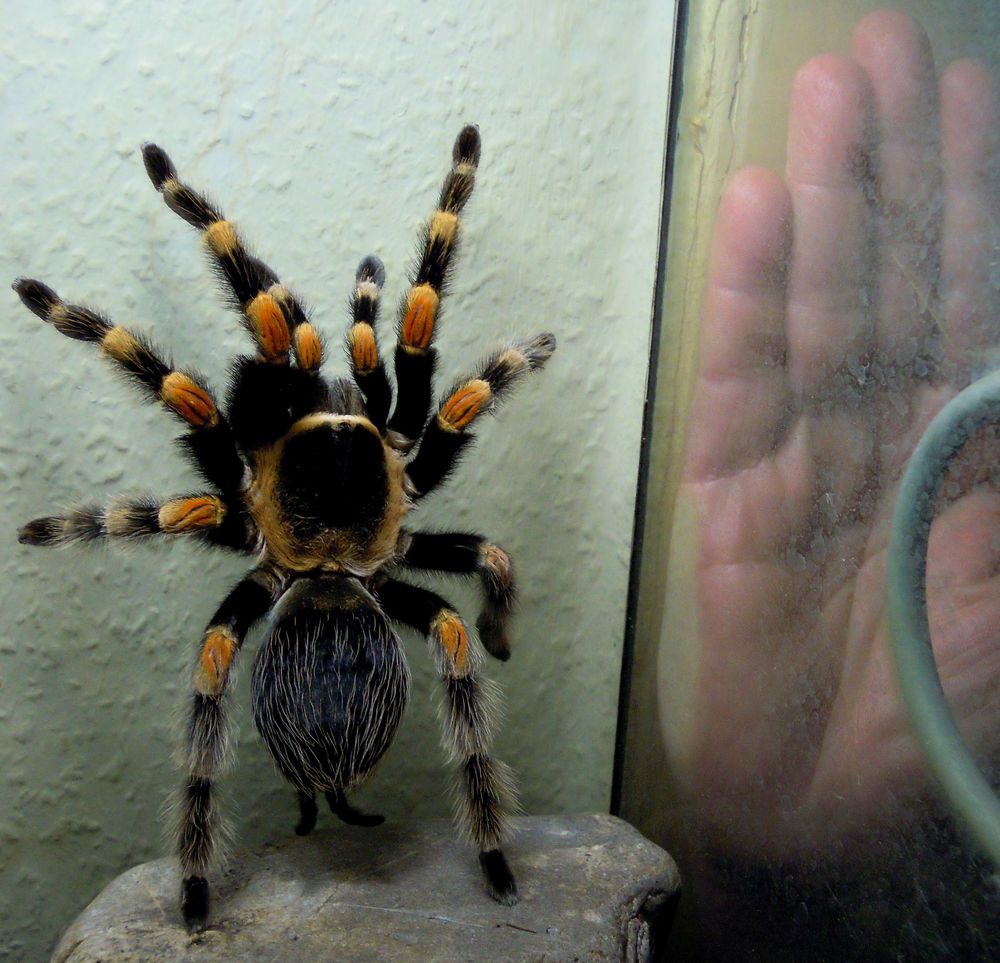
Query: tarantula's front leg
(468, 728)
(415, 354)
(209, 517)
(447, 433)
(271, 313)
(209, 442)
(198, 828)
(468, 554)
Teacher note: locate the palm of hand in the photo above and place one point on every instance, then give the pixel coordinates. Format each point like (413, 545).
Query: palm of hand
(826, 352)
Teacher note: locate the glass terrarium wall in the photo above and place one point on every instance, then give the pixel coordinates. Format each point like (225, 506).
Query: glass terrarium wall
(323, 132)
(831, 278)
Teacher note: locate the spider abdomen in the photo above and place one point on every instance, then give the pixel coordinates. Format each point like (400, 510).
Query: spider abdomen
(329, 684)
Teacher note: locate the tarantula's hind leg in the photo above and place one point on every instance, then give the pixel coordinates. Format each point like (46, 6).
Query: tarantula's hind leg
(307, 811)
(468, 554)
(468, 727)
(503, 888)
(344, 811)
(207, 746)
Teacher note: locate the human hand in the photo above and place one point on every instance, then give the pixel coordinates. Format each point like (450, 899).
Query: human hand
(845, 304)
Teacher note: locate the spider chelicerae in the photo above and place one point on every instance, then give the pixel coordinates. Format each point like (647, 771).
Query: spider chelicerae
(313, 478)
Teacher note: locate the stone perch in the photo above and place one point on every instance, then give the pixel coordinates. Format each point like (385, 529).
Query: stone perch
(591, 889)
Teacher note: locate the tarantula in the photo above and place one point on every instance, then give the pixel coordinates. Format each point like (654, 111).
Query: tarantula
(314, 479)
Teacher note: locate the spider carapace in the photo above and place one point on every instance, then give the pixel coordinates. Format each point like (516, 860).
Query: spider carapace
(313, 478)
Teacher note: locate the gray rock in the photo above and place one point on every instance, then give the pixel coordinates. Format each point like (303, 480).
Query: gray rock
(591, 889)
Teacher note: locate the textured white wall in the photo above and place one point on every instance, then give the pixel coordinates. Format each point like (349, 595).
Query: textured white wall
(324, 133)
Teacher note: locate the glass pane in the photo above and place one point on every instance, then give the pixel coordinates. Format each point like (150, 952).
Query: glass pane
(833, 277)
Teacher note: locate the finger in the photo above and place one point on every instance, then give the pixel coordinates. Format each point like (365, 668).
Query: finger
(894, 51)
(829, 328)
(740, 402)
(970, 150)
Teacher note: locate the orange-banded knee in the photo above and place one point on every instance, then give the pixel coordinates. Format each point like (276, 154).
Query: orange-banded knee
(419, 316)
(305, 339)
(184, 396)
(464, 405)
(419, 311)
(308, 347)
(269, 327)
(362, 341)
(363, 347)
(179, 391)
(449, 632)
(214, 660)
(183, 515)
(242, 607)
(469, 554)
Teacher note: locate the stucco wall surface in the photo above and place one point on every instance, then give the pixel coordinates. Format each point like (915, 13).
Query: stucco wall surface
(323, 131)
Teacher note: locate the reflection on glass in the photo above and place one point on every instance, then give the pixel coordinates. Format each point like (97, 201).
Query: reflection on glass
(846, 302)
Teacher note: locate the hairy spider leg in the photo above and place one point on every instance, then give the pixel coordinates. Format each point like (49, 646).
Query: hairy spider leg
(209, 443)
(307, 812)
(198, 827)
(468, 729)
(271, 313)
(470, 554)
(345, 812)
(339, 806)
(446, 433)
(362, 342)
(208, 517)
(415, 355)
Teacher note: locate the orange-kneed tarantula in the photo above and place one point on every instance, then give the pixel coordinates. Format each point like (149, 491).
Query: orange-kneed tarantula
(314, 479)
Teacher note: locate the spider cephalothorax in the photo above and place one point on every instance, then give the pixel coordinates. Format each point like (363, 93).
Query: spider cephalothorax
(314, 479)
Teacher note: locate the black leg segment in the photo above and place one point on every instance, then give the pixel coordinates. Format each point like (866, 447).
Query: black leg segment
(307, 813)
(344, 811)
(499, 878)
(470, 554)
